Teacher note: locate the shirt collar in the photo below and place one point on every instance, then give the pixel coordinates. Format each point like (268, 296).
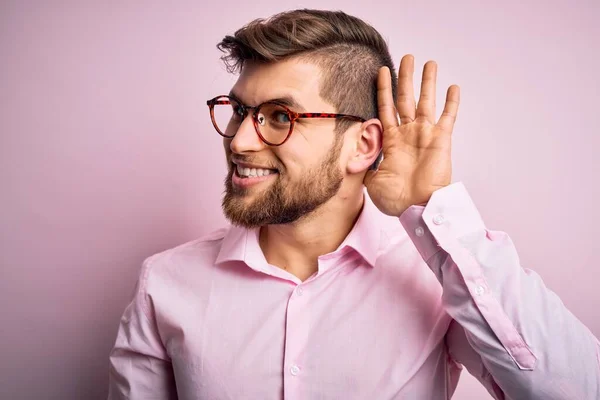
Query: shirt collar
(241, 244)
(365, 236)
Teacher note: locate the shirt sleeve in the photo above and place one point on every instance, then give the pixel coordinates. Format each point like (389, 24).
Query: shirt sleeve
(139, 365)
(509, 330)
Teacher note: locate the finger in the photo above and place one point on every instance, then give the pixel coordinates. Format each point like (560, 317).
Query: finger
(448, 117)
(385, 99)
(426, 106)
(406, 94)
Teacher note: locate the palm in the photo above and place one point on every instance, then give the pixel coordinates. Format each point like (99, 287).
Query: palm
(417, 152)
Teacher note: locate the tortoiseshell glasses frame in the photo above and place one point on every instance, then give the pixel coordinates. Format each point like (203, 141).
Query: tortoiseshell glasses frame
(292, 116)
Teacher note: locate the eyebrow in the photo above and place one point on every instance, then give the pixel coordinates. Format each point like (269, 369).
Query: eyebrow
(288, 101)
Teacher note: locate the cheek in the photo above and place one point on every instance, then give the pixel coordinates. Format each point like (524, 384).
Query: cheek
(306, 148)
(226, 144)
(297, 167)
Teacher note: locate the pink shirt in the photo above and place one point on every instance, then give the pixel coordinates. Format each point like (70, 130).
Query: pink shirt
(394, 313)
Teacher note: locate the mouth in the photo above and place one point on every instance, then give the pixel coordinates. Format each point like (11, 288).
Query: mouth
(247, 172)
(246, 176)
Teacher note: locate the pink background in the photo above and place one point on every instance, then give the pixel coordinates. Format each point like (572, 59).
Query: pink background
(107, 154)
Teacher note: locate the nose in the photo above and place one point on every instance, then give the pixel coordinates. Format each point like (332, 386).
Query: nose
(246, 139)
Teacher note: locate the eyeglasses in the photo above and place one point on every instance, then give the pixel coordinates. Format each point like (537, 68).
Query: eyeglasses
(273, 121)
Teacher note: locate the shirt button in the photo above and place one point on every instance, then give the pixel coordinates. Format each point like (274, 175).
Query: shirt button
(299, 291)
(479, 290)
(419, 231)
(295, 370)
(438, 219)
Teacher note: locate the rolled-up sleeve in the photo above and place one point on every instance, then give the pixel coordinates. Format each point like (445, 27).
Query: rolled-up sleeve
(510, 331)
(139, 365)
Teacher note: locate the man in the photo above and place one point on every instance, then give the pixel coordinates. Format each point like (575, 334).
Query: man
(318, 291)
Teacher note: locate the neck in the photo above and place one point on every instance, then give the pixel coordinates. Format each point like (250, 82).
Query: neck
(296, 247)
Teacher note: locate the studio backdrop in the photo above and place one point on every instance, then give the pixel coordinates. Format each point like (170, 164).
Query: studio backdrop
(107, 153)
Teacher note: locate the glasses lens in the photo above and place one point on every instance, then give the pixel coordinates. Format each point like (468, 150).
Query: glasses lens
(273, 122)
(228, 117)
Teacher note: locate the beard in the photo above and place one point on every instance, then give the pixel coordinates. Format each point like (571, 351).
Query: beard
(283, 203)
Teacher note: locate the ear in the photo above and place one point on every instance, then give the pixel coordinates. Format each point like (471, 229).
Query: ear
(367, 147)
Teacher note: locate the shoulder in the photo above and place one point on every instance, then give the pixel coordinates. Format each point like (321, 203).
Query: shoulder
(392, 233)
(395, 244)
(195, 255)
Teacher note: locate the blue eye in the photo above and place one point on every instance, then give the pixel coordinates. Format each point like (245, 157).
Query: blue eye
(282, 117)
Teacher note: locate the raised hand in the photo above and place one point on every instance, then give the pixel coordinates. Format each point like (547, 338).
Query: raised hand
(416, 151)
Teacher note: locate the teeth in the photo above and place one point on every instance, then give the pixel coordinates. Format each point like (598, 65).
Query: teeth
(252, 172)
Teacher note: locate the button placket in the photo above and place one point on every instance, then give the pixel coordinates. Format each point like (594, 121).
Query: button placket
(296, 339)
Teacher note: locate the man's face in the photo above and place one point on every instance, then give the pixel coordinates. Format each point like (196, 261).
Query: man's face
(298, 176)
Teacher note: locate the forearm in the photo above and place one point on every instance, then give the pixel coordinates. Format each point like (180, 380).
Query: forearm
(526, 338)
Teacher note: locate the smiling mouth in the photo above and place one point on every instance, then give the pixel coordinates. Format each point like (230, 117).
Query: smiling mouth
(243, 172)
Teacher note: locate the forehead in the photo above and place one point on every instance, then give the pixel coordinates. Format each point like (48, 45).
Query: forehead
(293, 78)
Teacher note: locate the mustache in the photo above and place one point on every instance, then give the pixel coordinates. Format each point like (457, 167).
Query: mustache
(245, 159)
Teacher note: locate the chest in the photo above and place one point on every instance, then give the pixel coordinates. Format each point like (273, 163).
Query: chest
(348, 335)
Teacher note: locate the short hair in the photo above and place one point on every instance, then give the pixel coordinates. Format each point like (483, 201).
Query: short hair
(348, 50)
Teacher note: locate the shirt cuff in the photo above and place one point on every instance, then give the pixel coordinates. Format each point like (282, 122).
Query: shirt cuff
(450, 214)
